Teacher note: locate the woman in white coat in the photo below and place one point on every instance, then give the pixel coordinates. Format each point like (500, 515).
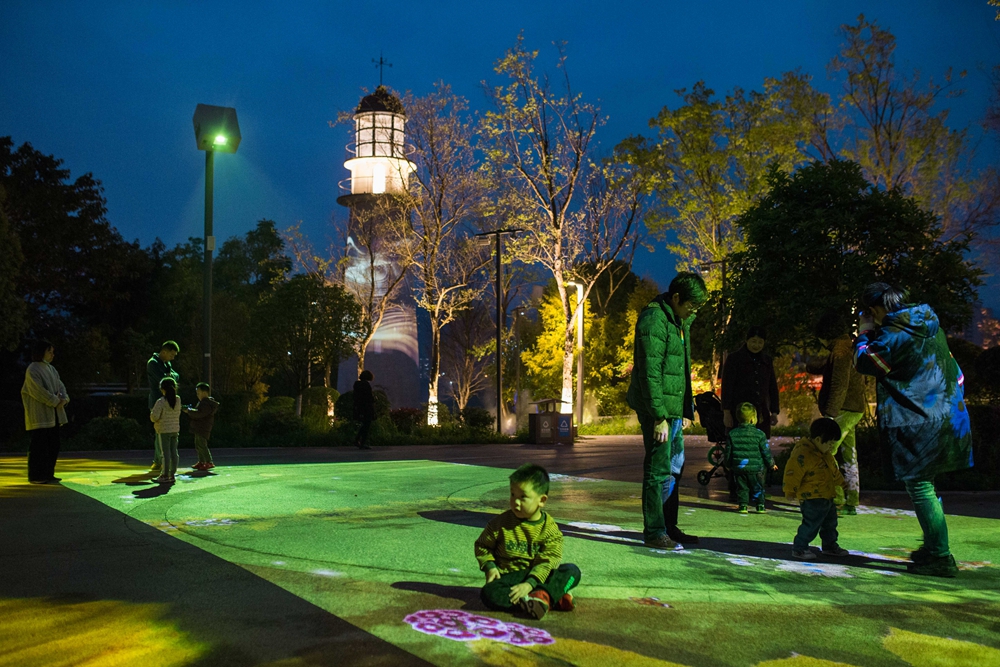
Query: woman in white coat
(44, 397)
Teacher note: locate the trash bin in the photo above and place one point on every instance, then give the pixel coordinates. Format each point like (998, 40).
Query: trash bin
(548, 426)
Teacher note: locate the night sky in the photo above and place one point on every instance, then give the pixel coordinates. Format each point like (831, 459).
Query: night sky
(112, 90)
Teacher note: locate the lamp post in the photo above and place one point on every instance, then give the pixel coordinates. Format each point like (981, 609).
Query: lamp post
(215, 129)
(579, 347)
(498, 235)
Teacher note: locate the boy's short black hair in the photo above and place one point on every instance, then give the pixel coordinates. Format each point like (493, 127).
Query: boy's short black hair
(38, 348)
(170, 345)
(534, 475)
(204, 386)
(825, 429)
(366, 375)
(689, 286)
(885, 296)
(756, 331)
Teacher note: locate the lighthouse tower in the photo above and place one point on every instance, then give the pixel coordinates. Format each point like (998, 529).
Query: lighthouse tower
(379, 171)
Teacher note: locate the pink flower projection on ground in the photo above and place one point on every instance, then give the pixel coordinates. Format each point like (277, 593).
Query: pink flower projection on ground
(463, 627)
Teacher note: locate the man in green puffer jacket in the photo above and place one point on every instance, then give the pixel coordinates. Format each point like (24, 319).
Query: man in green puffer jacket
(660, 394)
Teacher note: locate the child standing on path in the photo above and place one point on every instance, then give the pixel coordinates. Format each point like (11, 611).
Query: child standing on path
(749, 456)
(813, 478)
(166, 417)
(202, 419)
(520, 552)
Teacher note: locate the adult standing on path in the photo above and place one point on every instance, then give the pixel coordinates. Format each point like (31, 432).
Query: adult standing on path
(842, 397)
(364, 408)
(44, 397)
(158, 367)
(660, 394)
(922, 417)
(748, 377)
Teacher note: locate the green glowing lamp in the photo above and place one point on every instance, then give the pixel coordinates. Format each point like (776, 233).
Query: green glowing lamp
(216, 128)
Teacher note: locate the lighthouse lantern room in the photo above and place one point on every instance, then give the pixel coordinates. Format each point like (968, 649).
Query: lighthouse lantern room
(379, 164)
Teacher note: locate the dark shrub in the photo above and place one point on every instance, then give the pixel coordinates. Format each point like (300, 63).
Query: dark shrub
(277, 422)
(478, 418)
(344, 406)
(279, 404)
(407, 420)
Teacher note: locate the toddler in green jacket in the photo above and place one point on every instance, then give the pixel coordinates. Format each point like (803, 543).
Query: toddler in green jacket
(748, 458)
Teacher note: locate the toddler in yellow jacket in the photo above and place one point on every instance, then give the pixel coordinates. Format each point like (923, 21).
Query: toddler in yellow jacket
(520, 551)
(813, 477)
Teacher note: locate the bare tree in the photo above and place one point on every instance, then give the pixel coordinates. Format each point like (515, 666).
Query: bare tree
(465, 354)
(444, 195)
(575, 211)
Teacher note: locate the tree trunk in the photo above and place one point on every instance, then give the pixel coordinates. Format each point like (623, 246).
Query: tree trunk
(434, 372)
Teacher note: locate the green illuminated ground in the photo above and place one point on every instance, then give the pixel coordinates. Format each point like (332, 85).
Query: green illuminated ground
(375, 542)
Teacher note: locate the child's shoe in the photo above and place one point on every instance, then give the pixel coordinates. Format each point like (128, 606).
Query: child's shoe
(836, 551)
(156, 467)
(208, 466)
(848, 510)
(198, 466)
(661, 542)
(935, 566)
(921, 555)
(803, 554)
(743, 509)
(761, 509)
(565, 603)
(536, 604)
(162, 479)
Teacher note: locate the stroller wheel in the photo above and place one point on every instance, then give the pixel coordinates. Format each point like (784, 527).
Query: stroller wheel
(716, 455)
(704, 477)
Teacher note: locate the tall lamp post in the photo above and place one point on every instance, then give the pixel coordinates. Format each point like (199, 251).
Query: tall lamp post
(498, 235)
(215, 129)
(579, 353)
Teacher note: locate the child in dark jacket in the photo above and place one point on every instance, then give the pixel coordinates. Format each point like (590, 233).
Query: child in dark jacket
(749, 457)
(202, 419)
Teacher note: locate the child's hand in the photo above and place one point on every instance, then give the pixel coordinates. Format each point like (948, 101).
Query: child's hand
(492, 574)
(519, 592)
(774, 467)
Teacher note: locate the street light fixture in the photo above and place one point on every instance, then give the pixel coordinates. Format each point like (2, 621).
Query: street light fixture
(215, 129)
(579, 346)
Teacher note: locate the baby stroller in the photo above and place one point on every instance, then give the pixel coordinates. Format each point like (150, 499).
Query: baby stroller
(709, 409)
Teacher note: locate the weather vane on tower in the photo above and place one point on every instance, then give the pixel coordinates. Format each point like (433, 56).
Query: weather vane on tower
(381, 63)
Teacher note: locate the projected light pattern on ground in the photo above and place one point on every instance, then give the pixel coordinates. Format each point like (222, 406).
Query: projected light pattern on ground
(375, 543)
(463, 626)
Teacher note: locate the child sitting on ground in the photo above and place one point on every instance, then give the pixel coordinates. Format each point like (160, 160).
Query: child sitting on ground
(519, 551)
(202, 419)
(749, 456)
(813, 477)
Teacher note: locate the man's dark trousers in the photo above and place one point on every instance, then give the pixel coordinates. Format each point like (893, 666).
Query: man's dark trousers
(43, 450)
(496, 594)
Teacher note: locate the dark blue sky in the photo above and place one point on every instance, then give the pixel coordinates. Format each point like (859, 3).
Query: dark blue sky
(112, 90)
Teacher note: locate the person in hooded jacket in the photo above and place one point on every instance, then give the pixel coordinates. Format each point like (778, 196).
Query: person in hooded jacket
(922, 416)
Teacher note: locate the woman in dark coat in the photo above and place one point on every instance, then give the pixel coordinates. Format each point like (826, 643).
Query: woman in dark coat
(748, 377)
(364, 408)
(921, 411)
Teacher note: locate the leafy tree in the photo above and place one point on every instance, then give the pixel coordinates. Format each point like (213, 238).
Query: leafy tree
(12, 324)
(574, 210)
(305, 321)
(891, 128)
(81, 284)
(711, 157)
(821, 235)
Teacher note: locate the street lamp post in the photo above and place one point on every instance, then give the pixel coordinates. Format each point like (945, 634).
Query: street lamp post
(215, 129)
(579, 354)
(498, 235)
